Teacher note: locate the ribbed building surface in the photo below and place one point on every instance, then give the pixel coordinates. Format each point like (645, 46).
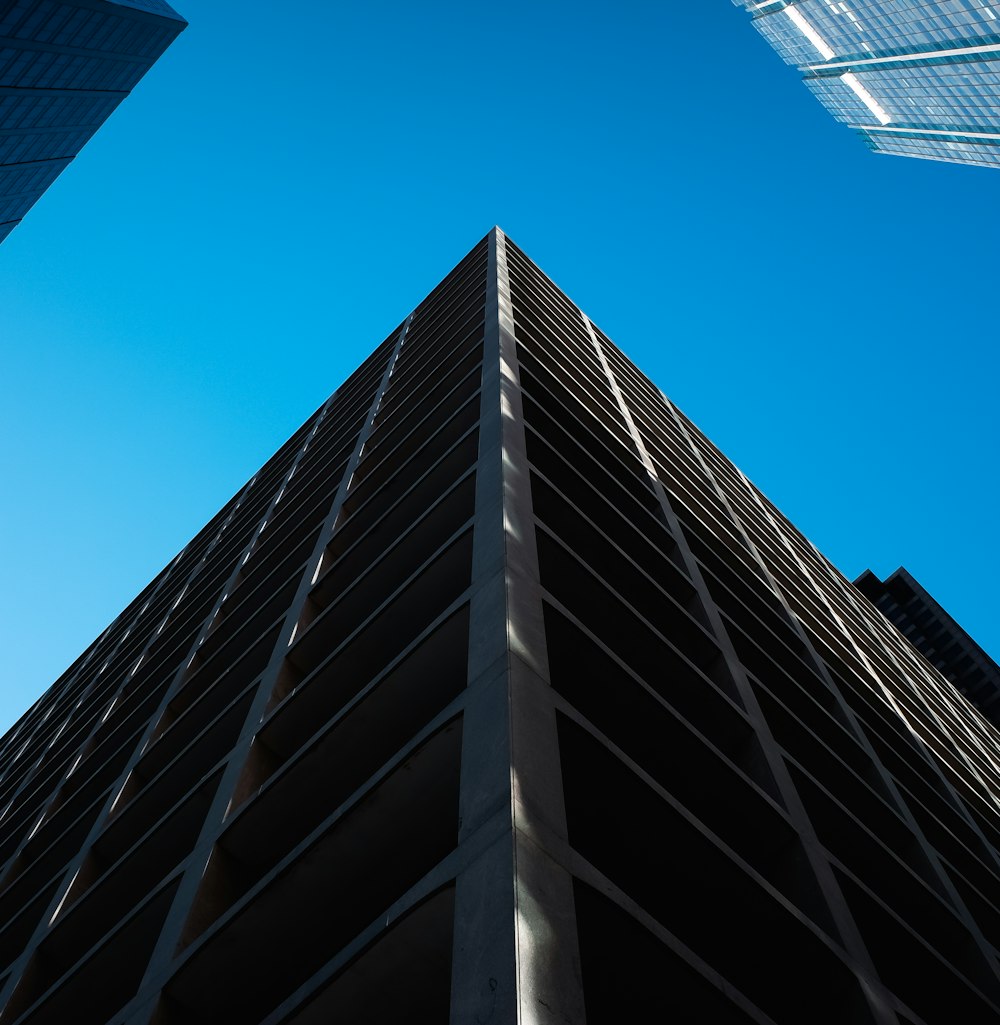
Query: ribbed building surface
(916, 78)
(64, 67)
(499, 695)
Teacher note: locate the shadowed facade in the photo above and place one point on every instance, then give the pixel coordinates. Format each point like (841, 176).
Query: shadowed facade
(64, 67)
(930, 629)
(499, 694)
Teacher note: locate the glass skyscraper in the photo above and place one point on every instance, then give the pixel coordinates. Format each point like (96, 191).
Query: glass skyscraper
(64, 67)
(917, 78)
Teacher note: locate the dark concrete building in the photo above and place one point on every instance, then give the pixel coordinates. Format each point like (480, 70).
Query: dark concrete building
(929, 628)
(64, 67)
(499, 695)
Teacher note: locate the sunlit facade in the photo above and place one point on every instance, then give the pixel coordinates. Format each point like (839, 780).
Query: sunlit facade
(64, 67)
(916, 78)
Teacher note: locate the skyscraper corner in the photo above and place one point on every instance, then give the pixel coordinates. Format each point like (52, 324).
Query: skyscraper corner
(499, 694)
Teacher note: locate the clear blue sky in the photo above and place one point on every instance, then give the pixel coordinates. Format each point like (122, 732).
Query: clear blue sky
(289, 181)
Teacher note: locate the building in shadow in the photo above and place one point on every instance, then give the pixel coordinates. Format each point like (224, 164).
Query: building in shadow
(65, 65)
(499, 694)
(930, 629)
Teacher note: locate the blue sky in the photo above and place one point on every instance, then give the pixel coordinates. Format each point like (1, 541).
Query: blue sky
(286, 184)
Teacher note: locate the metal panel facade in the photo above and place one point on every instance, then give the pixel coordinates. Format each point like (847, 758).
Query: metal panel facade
(499, 694)
(64, 67)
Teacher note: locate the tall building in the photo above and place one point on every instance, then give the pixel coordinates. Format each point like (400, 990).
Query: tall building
(931, 629)
(64, 67)
(499, 695)
(917, 78)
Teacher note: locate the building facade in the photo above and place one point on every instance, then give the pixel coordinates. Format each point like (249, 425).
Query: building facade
(499, 694)
(915, 78)
(64, 67)
(931, 629)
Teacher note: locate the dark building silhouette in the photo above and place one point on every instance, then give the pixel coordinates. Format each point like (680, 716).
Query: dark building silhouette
(499, 695)
(64, 67)
(930, 629)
